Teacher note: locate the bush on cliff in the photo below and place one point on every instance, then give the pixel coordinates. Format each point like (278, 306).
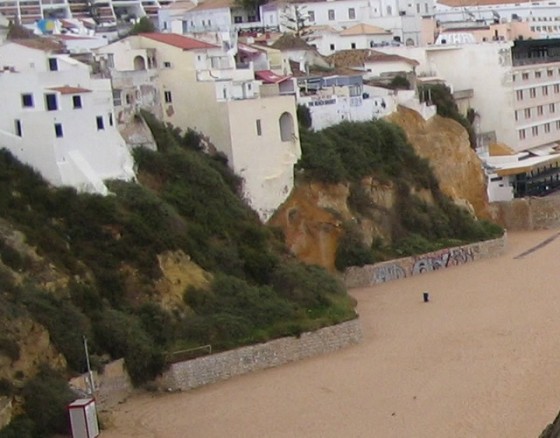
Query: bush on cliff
(108, 246)
(348, 152)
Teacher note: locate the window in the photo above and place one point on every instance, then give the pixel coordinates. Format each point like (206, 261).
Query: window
(514, 78)
(417, 8)
(537, 75)
(331, 15)
(525, 76)
(540, 110)
(259, 127)
(27, 100)
(128, 99)
(353, 45)
(58, 130)
(166, 64)
(351, 13)
(527, 113)
(99, 121)
(117, 101)
(545, 91)
(549, 73)
(557, 125)
(332, 46)
(535, 131)
(167, 97)
(522, 134)
(287, 132)
(516, 116)
(556, 88)
(311, 15)
(50, 102)
(53, 64)
(551, 108)
(237, 19)
(519, 94)
(77, 102)
(547, 128)
(18, 127)
(532, 92)
(110, 119)
(389, 10)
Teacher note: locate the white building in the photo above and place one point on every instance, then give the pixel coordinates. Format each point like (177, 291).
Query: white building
(335, 99)
(542, 17)
(59, 120)
(251, 122)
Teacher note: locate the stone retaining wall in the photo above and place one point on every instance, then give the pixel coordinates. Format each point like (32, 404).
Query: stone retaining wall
(209, 369)
(528, 213)
(369, 275)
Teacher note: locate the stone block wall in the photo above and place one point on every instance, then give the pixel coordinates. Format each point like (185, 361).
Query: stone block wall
(528, 213)
(209, 369)
(370, 275)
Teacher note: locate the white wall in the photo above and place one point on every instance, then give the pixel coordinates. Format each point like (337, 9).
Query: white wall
(265, 162)
(84, 155)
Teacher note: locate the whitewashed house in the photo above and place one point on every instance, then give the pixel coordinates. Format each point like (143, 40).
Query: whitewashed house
(252, 123)
(59, 120)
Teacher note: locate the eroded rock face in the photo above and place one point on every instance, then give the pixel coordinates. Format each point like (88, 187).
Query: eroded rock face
(312, 216)
(445, 143)
(179, 272)
(311, 220)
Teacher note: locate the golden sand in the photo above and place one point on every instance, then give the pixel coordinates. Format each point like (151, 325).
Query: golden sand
(481, 359)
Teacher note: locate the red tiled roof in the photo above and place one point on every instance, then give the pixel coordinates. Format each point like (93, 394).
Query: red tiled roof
(269, 77)
(180, 41)
(70, 90)
(375, 56)
(44, 44)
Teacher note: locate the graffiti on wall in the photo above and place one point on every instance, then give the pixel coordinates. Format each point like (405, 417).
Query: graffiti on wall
(390, 272)
(442, 259)
(423, 263)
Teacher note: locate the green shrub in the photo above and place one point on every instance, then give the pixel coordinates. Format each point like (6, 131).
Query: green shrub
(351, 250)
(58, 316)
(122, 335)
(46, 398)
(9, 347)
(21, 427)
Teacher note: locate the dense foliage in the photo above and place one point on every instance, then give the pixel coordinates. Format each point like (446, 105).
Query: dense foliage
(440, 95)
(108, 246)
(351, 151)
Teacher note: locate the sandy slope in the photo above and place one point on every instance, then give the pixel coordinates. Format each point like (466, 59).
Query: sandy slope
(482, 359)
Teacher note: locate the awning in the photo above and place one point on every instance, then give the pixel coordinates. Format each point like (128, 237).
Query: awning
(269, 77)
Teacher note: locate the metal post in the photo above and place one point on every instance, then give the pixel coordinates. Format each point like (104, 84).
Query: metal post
(90, 374)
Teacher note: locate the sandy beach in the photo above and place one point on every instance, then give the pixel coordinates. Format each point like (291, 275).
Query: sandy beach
(481, 359)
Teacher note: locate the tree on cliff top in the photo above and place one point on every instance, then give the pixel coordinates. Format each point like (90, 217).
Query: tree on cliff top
(440, 95)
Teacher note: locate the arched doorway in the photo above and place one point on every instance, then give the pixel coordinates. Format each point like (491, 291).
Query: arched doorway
(287, 132)
(139, 63)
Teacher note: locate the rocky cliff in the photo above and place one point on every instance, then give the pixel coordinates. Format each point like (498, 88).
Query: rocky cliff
(312, 215)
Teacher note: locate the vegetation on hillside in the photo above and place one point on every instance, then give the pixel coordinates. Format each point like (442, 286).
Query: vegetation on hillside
(440, 95)
(348, 152)
(108, 246)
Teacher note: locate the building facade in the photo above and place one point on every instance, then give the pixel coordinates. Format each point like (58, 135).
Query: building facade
(59, 120)
(202, 89)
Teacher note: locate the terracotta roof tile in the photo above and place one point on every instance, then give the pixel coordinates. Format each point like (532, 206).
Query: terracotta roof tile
(358, 57)
(70, 90)
(214, 4)
(180, 41)
(364, 29)
(289, 41)
(44, 44)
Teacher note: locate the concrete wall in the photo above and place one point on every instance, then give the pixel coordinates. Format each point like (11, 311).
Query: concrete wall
(406, 267)
(210, 369)
(527, 213)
